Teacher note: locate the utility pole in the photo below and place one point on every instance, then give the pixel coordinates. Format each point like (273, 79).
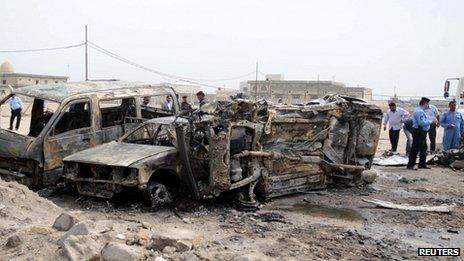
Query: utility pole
(256, 82)
(86, 56)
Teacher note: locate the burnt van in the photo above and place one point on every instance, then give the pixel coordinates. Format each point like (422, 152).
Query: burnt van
(64, 118)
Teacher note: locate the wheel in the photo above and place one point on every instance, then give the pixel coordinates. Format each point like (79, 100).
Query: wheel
(157, 194)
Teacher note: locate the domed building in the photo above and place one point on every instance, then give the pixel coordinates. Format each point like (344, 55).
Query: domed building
(9, 77)
(6, 67)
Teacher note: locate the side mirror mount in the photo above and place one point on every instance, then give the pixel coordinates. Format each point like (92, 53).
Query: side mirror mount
(446, 89)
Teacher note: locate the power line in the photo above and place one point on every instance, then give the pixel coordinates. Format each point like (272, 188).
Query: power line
(176, 76)
(127, 61)
(42, 49)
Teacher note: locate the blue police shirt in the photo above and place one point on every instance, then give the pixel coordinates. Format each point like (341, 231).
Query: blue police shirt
(16, 103)
(420, 119)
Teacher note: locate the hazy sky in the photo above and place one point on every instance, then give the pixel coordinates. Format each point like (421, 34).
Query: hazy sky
(413, 45)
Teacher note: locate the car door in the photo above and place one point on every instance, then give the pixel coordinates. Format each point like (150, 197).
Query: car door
(71, 132)
(117, 117)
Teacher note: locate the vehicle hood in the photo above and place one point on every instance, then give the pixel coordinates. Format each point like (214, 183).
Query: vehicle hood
(117, 154)
(13, 144)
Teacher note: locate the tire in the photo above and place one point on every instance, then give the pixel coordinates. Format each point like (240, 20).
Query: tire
(157, 194)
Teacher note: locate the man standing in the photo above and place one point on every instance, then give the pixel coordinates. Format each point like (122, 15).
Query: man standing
(453, 124)
(421, 125)
(167, 105)
(145, 102)
(201, 98)
(434, 116)
(408, 129)
(394, 118)
(16, 106)
(185, 106)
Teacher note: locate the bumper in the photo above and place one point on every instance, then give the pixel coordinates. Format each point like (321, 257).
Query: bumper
(99, 187)
(11, 175)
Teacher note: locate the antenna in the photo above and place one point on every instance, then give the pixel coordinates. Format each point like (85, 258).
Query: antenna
(256, 82)
(86, 56)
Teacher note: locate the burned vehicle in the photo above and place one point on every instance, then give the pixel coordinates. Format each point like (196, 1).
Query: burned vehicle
(64, 118)
(252, 148)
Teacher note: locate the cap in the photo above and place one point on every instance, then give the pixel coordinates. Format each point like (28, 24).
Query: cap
(425, 99)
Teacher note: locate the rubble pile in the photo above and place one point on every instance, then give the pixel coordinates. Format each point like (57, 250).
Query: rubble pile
(453, 158)
(32, 227)
(19, 206)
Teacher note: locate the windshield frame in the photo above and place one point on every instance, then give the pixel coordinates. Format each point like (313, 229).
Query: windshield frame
(4, 101)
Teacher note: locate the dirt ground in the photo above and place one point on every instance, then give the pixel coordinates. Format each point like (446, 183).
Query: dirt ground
(331, 224)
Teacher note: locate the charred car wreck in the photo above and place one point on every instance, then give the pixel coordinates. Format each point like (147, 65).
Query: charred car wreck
(69, 117)
(252, 148)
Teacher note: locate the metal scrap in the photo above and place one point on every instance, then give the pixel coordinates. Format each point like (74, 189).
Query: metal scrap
(386, 204)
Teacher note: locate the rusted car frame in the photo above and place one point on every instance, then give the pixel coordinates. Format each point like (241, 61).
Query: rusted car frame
(78, 123)
(252, 148)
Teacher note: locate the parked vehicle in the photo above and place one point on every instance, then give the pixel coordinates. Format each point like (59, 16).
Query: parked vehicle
(69, 117)
(242, 146)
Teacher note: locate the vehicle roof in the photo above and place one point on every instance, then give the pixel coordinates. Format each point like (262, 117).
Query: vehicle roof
(59, 91)
(167, 120)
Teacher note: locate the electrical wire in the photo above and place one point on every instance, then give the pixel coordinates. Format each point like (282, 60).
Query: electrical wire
(42, 49)
(127, 61)
(180, 77)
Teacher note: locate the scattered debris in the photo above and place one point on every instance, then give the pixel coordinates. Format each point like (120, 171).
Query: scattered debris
(81, 228)
(396, 160)
(13, 241)
(120, 252)
(255, 256)
(385, 204)
(121, 236)
(64, 222)
(40, 230)
(169, 250)
(81, 247)
(443, 237)
(272, 217)
(181, 239)
(369, 176)
(408, 180)
(453, 158)
(452, 230)
(146, 225)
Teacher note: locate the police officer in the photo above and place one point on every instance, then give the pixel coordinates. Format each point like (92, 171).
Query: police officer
(421, 125)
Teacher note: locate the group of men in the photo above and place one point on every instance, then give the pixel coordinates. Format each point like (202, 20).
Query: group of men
(422, 123)
(184, 105)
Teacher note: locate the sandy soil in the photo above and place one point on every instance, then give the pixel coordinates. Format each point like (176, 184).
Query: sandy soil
(331, 224)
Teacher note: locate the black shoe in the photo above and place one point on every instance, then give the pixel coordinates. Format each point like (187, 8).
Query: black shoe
(424, 167)
(411, 167)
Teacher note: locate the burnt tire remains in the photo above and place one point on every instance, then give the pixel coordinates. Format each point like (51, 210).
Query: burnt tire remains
(158, 194)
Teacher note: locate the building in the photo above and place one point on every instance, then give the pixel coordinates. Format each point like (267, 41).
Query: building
(9, 77)
(275, 87)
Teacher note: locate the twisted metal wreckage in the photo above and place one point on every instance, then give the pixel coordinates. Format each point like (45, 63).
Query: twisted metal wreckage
(251, 148)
